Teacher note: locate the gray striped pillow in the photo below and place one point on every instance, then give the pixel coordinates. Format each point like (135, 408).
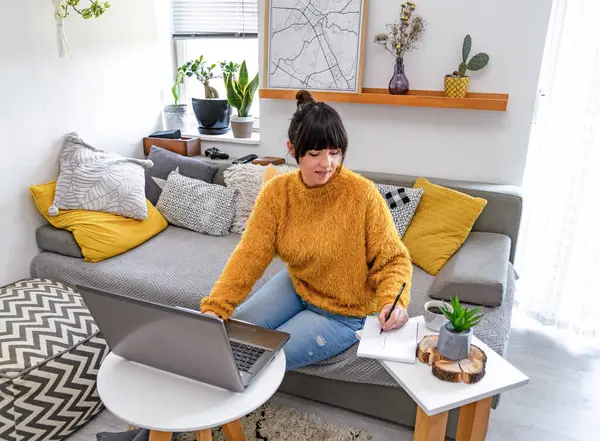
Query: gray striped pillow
(96, 180)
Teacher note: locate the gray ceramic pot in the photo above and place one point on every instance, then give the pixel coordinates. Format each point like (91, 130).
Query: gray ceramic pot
(452, 345)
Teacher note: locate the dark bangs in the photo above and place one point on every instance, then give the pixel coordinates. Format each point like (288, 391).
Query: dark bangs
(321, 128)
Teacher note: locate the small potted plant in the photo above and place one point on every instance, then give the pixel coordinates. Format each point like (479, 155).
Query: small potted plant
(399, 38)
(456, 85)
(454, 342)
(212, 112)
(240, 94)
(175, 113)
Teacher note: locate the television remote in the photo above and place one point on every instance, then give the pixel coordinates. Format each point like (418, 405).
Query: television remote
(245, 159)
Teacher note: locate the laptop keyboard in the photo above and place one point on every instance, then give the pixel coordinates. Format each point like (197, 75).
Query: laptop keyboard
(245, 355)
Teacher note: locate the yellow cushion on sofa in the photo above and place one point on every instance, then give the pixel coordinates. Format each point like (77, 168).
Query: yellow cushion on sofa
(442, 222)
(100, 235)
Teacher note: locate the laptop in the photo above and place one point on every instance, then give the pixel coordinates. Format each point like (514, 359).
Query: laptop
(182, 341)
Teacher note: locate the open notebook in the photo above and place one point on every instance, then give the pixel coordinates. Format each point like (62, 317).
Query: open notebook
(397, 345)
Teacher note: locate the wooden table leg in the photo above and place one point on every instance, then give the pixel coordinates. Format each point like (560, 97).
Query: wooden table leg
(233, 431)
(473, 421)
(160, 436)
(430, 428)
(204, 435)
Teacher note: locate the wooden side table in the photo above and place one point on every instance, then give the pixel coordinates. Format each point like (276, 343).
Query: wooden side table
(166, 403)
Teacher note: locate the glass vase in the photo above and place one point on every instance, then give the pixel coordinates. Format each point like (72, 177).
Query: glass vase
(399, 82)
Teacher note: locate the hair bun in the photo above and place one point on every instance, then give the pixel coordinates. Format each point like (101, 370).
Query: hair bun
(304, 97)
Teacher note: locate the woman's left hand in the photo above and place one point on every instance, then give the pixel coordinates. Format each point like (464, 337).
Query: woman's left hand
(398, 318)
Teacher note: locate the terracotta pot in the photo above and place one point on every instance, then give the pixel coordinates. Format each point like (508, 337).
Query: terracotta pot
(242, 126)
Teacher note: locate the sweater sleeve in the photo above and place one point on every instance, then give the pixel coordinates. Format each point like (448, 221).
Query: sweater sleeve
(388, 258)
(249, 260)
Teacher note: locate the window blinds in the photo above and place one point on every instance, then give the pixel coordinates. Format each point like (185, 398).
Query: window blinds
(192, 18)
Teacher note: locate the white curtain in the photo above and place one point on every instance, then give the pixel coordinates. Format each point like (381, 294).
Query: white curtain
(558, 257)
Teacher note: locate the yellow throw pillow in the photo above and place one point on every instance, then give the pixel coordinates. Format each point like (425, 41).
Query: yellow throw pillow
(441, 224)
(100, 235)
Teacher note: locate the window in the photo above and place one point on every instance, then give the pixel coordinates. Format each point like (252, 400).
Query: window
(220, 30)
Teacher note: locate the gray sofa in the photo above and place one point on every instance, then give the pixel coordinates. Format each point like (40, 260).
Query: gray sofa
(179, 267)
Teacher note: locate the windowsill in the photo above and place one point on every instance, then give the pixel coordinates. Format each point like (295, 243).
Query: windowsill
(227, 137)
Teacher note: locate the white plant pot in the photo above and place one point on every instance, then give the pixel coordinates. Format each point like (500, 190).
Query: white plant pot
(175, 116)
(242, 126)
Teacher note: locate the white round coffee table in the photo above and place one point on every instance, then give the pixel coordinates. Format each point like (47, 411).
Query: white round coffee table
(165, 403)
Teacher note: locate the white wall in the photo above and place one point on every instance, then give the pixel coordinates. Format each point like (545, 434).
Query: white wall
(110, 92)
(457, 144)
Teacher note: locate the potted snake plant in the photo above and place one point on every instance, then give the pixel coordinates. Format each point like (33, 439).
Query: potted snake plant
(454, 342)
(240, 94)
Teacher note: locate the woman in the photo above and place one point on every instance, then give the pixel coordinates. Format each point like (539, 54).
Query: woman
(335, 232)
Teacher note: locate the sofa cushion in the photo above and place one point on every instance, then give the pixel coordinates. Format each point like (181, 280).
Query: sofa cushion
(59, 241)
(402, 202)
(193, 262)
(197, 205)
(477, 272)
(100, 235)
(49, 358)
(166, 162)
(93, 179)
(443, 220)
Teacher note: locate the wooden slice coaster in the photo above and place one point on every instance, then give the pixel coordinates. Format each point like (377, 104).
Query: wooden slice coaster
(469, 370)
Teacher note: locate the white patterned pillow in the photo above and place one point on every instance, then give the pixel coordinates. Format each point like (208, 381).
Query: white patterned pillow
(402, 202)
(197, 205)
(247, 180)
(96, 180)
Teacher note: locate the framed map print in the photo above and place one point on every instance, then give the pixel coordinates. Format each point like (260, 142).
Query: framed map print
(315, 44)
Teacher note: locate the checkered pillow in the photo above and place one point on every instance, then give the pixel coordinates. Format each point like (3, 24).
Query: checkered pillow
(403, 204)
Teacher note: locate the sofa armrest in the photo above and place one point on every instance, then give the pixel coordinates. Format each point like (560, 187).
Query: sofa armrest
(57, 241)
(477, 272)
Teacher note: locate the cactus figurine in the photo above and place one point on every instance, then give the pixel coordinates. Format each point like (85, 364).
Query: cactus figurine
(455, 85)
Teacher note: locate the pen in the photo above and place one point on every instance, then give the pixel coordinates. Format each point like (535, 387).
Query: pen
(394, 305)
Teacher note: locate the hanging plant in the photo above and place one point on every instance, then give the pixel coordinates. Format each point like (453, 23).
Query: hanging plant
(95, 10)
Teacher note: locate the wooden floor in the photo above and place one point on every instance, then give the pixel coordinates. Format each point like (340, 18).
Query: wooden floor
(562, 402)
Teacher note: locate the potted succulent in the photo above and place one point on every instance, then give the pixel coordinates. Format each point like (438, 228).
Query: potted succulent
(399, 38)
(240, 94)
(175, 113)
(212, 112)
(454, 342)
(456, 85)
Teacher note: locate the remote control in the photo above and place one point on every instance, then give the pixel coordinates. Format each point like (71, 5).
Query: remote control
(245, 159)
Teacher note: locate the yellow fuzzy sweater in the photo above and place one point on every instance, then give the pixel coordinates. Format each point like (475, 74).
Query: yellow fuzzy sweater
(339, 242)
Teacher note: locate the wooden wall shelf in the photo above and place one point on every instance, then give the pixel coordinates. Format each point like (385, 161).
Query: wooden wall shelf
(414, 98)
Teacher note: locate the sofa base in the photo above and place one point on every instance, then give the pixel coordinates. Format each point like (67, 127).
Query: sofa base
(387, 403)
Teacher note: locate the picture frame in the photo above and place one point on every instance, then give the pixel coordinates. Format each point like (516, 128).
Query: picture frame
(312, 49)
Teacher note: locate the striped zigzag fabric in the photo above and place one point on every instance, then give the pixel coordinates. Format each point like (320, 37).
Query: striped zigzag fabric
(50, 354)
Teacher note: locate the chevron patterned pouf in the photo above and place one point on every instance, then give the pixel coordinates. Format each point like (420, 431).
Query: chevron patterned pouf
(50, 353)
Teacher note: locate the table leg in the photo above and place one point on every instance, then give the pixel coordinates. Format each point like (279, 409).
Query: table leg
(204, 435)
(233, 431)
(160, 436)
(430, 428)
(473, 421)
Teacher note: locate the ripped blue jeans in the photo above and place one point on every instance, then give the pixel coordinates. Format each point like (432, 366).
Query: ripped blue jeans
(315, 335)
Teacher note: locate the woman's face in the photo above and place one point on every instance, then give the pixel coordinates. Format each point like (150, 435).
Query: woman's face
(318, 166)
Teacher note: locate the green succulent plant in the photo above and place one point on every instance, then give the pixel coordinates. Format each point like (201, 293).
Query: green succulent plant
(240, 91)
(461, 319)
(95, 10)
(477, 62)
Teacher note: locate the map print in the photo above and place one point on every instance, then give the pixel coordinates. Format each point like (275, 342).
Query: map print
(314, 44)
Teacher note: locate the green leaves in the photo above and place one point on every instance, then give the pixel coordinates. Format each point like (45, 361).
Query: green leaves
(95, 10)
(462, 69)
(466, 50)
(240, 93)
(478, 62)
(462, 319)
